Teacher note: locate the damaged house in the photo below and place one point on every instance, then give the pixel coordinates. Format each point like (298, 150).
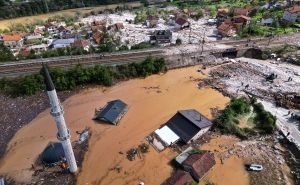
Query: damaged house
(189, 125)
(112, 112)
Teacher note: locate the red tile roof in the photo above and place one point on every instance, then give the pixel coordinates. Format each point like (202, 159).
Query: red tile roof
(226, 28)
(119, 26)
(81, 43)
(294, 9)
(201, 162)
(179, 178)
(97, 36)
(181, 21)
(13, 36)
(243, 17)
(240, 11)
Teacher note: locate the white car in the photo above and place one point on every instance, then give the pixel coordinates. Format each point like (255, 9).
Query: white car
(254, 167)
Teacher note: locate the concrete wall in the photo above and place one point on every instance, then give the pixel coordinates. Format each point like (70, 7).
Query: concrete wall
(182, 60)
(199, 134)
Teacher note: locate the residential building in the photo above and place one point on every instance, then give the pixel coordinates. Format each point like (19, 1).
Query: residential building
(152, 21)
(50, 27)
(181, 23)
(179, 178)
(198, 164)
(13, 39)
(226, 30)
(39, 29)
(97, 36)
(38, 48)
(33, 38)
(118, 26)
(292, 14)
(189, 125)
(62, 43)
(240, 11)
(112, 112)
(167, 136)
(222, 14)
(240, 20)
(85, 44)
(161, 36)
(267, 19)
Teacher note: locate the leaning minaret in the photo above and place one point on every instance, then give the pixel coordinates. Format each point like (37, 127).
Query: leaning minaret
(57, 112)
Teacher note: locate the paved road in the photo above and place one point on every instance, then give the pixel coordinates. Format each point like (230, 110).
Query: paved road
(284, 123)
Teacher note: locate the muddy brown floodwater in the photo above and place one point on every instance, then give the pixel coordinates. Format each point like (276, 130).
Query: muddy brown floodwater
(152, 101)
(232, 171)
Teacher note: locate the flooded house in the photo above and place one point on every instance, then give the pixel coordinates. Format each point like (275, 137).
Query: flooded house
(199, 164)
(189, 125)
(112, 112)
(180, 177)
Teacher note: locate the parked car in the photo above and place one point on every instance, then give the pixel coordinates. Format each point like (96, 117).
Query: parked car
(254, 167)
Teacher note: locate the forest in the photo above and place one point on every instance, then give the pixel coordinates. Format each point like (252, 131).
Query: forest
(80, 75)
(10, 9)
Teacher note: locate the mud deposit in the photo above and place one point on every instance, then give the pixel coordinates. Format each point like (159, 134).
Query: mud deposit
(152, 101)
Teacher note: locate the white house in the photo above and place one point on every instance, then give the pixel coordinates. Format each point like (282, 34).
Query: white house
(38, 48)
(292, 14)
(62, 43)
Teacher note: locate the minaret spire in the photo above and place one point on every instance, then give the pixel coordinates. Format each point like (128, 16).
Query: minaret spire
(57, 112)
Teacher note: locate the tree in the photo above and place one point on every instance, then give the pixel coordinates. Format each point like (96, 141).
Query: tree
(145, 3)
(6, 54)
(178, 41)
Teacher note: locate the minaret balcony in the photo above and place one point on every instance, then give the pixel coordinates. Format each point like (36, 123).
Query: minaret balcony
(63, 138)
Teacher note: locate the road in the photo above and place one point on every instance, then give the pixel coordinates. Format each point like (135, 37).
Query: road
(284, 123)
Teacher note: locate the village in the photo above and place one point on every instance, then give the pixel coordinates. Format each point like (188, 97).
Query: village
(223, 120)
(116, 30)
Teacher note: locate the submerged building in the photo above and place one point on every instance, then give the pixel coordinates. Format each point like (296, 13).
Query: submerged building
(53, 154)
(189, 125)
(112, 112)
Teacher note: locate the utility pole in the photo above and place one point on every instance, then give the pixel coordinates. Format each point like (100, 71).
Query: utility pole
(203, 42)
(57, 112)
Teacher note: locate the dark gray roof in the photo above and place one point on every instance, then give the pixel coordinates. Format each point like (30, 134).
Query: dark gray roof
(112, 111)
(195, 117)
(187, 123)
(53, 153)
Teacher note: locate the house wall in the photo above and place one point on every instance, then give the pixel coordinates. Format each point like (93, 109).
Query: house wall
(200, 133)
(14, 43)
(189, 169)
(291, 17)
(267, 21)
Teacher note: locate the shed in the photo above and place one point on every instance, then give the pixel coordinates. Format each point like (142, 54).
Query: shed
(53, 154)
(189, 125)
(112, 112)
(167, 135)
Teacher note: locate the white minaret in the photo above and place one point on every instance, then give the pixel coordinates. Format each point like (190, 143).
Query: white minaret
(57, 112)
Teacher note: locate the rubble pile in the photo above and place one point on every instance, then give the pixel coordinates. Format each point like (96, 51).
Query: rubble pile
(250, 76)
(17, 112)
(135, 33)
(264, 151)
